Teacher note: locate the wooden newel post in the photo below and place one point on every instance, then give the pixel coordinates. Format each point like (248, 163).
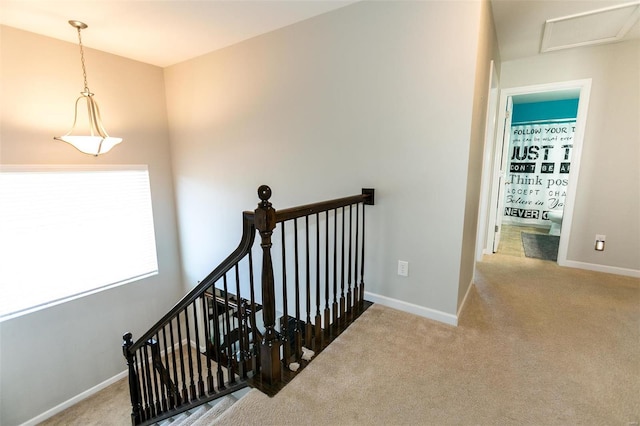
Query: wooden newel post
(265, 221)
(134, 391)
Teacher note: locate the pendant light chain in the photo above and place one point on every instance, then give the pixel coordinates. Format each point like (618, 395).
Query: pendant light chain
(84, 69)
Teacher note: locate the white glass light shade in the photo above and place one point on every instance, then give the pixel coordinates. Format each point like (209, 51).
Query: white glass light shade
(93, 145)
(98, 142)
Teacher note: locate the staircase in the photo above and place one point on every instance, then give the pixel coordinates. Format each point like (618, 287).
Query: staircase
(204, 415)
(252, 323)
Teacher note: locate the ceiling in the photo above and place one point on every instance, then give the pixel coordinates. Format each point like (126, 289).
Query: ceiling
(165, 32)
(159, 32)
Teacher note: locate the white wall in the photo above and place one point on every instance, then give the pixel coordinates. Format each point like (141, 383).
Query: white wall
(376, 94)
(487, 51)
(52, 355)
(608, 195)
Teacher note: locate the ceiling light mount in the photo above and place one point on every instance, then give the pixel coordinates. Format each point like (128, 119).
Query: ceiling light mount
(99, 141)
(78, 24)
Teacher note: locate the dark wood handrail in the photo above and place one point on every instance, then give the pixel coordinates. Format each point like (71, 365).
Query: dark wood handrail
(308, 209)
(246, 242)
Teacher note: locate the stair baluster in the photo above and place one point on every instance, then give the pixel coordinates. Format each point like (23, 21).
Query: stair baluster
(297, 330)
(308, 331)
(227, 331)
(170, 386)
(241, 315)
(342, 266)
(317, 340)
(183, 376)
(207, 337)
(334, 306)
(192, 385)
(150, 406)
(176, 390)
(196, 329)
(284, 322)
(327, 311)
(356, 253)
(257, 335)
(217, 342)
(349, 302)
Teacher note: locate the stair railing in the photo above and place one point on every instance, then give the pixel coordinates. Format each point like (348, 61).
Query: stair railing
(189, 356)
(212, 342)
(333, 281)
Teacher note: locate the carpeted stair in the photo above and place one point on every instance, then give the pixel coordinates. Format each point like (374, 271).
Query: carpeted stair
(203, 415)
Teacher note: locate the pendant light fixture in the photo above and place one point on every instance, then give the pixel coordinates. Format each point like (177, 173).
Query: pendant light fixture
(98, 141)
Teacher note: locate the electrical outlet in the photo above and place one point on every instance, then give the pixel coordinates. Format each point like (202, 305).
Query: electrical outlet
(403, 268)
(600, 239)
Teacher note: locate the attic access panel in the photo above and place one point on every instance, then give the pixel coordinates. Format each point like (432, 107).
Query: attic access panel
(589, 28)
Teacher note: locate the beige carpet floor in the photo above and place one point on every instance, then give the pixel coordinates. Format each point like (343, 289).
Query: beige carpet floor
(537, 344)
(109, 407)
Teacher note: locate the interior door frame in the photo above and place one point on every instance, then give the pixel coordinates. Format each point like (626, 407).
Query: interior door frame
(487, 159)
(584, 88)
(501, 173)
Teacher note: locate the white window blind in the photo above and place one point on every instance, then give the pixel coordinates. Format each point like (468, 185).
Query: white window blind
(68, 231)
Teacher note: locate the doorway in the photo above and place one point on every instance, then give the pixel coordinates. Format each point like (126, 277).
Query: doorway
(539, 162)
(540, 140)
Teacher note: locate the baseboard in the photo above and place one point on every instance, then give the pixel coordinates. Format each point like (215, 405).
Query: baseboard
(70, 402)
(412, 308)
(601, 268)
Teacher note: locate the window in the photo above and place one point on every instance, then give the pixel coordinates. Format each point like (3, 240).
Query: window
(70, 231)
